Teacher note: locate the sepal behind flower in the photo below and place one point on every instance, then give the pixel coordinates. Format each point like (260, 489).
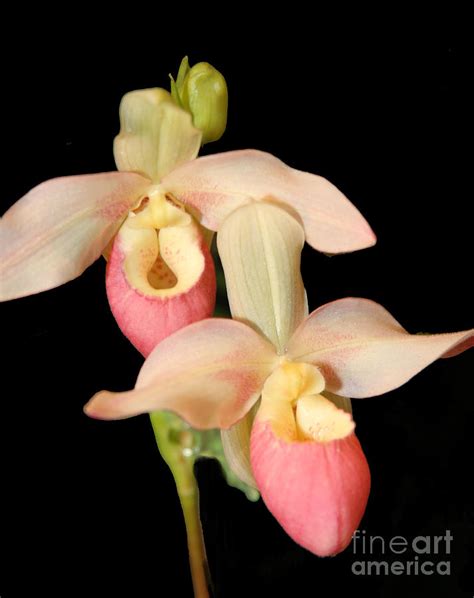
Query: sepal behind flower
(155, 136)
(260, 247)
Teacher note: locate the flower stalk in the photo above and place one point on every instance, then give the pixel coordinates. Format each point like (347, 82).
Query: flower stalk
(178, 446)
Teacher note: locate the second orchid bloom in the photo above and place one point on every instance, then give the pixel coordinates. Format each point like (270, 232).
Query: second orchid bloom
(277, 382)
(305, 458)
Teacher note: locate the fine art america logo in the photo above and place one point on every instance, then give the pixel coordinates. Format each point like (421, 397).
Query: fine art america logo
(421, 555)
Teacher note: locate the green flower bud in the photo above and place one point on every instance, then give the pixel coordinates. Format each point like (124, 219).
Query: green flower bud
(202, 91)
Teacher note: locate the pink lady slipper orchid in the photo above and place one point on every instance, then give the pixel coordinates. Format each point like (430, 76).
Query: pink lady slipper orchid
(160, 274)
(305, 457)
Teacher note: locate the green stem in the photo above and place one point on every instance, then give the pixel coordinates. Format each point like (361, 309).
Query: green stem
(175, 444)
(196, 548)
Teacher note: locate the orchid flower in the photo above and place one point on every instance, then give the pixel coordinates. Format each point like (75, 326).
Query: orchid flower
(157, 283)
(304, 455)
(160, 274)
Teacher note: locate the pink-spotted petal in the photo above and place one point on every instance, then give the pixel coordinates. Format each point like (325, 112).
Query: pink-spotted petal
(58, 229)
(216, 185)
(210, 373)
(317, 491)
(363, 351)
(159, 283)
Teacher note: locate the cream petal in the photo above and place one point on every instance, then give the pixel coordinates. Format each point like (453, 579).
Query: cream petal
(58, 229)
(217, 185)
(260, 248)
(155, 134)
(363, 351)
(236, 445)
(209, 373)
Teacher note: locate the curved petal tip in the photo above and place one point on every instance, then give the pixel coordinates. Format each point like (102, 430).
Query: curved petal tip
(209, 373)
(363, 351)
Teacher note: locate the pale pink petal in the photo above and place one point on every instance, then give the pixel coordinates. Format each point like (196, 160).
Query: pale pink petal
(160, 283)
(317, 491)
(58, 229)
(210, 373)
(216, 185)
(363, 351)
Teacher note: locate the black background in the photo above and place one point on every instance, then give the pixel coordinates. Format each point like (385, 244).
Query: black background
(88, 507)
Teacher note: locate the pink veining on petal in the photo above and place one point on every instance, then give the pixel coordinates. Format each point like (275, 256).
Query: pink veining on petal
(244, 383)
(53, 233)
(317, 491)
(216, 185)
(210, 373)
(363, 351)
